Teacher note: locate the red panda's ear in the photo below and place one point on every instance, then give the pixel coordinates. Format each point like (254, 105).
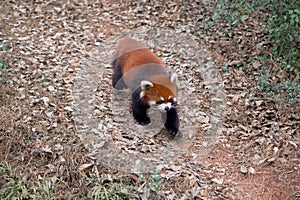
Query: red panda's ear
(174, 79)
(145, 85)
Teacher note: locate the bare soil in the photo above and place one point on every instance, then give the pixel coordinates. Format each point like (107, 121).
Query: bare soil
(255, 156)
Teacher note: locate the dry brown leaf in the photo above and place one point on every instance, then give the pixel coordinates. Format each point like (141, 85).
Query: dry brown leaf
(235, 99)
(85, 166)
(256, 64)
(234, 62)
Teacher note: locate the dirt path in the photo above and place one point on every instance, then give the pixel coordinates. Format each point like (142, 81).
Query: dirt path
(60, 118)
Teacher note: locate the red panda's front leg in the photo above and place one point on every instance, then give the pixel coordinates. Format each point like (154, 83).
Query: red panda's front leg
(139, 108)
(172, 121)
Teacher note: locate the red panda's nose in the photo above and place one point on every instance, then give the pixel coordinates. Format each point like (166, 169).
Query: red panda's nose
(167, 108)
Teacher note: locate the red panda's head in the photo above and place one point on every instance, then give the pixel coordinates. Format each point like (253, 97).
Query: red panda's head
(160, 91)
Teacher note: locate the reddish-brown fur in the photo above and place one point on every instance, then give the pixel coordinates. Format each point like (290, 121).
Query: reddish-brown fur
(136, 67)
(132, 56)
(162, 87)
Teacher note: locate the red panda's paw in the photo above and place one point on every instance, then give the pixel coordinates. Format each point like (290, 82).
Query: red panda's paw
(145, 120)
(172, 126)
(172, 121)
(172, 129)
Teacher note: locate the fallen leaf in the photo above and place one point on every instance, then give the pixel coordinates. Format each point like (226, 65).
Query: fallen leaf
(234, 62)
(218, 181)
(235, 99)
(85, 166)
(243, 169)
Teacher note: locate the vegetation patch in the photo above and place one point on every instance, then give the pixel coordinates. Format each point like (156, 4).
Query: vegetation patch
(253, 44)
(282, 28)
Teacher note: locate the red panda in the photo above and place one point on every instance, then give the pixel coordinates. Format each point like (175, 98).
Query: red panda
(136, 67)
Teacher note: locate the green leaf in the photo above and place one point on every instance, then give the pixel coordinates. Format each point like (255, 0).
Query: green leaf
(4, 46)
(216, 16)
(235, 22)
(210, 24)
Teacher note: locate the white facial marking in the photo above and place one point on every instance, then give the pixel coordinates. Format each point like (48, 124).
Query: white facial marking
(152, 102)
(161, 98)
(174, 99)
(164, 107)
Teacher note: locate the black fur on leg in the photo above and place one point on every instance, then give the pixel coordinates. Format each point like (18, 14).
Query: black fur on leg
(172, 121)
(139, 108)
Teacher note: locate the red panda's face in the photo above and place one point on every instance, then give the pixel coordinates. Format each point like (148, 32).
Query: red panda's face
(160, 93)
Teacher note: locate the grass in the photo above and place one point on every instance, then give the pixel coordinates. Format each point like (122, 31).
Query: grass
(12, 187)
(282, 20)
(3, 47)
(104, 186)
(2, 70)
(108, 187)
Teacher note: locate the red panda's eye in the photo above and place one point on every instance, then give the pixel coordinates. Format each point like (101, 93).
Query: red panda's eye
(159, 102)
(171, 100)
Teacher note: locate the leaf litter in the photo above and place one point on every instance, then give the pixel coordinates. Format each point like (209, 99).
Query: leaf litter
(48, 44)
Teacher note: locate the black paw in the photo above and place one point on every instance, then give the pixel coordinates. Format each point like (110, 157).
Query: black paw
(172, 128)
(143, 120)
(172, 121)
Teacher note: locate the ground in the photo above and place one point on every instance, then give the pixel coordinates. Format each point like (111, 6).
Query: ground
(56, 58)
